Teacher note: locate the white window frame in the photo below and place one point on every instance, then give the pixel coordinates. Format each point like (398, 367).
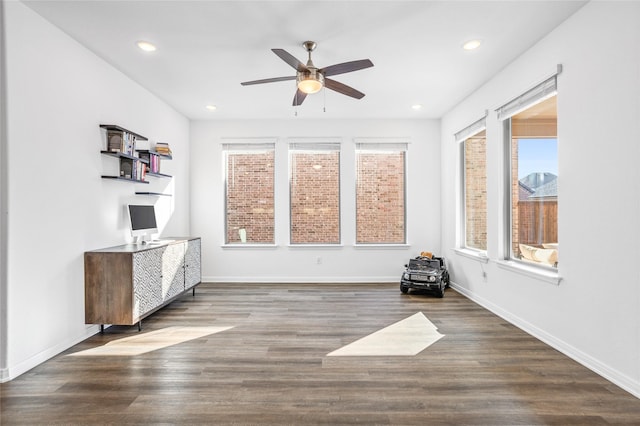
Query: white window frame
(317, 145)
(383, 145)
(242, 145)
(540, 92)
(461, 138)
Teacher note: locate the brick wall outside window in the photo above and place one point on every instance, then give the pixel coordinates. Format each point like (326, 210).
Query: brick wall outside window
(315, 197)
(475, 156)
(380, 197)
(250, 197)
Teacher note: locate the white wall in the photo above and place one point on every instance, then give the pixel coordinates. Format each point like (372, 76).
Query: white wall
(593, 315)
(58, 206)
(3, 201)
(286, 263)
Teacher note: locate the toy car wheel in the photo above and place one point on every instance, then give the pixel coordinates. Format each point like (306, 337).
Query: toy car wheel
(404, 289)
(441, 293)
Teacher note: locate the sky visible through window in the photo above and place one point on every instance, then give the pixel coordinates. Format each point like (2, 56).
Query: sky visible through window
(537, 155)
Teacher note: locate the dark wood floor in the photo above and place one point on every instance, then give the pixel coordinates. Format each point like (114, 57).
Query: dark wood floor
(272, 368)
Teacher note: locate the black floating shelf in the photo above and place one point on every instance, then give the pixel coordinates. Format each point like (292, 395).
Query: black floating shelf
(160, 175)
(122, 129)
(124, 179)
(118, 154)
(158, 194)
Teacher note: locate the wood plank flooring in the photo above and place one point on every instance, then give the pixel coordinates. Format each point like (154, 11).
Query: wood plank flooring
(272, 368)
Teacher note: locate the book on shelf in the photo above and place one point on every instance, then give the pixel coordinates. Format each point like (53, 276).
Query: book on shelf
(152, 159)
(163, 148)
(155, 164)
(141, 170)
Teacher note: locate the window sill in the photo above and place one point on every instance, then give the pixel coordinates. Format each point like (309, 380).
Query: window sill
(479, 256)
(315, 246)
(551, 277)
(249, 246)
(382, 246)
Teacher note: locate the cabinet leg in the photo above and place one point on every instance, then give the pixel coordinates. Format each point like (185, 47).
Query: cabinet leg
(101, 328)
(140, 325)
(194, 291)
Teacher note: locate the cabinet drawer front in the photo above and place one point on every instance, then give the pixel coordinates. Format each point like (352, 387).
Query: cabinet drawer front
(172, 270)
(192, 264)
(147, 281)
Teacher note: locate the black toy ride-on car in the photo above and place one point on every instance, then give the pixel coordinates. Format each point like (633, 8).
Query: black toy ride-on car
(425, 273)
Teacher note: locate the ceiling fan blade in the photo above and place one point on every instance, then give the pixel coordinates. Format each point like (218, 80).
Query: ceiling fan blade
(343, 88)
(346, 67)
(290, 59)
(299, 97)
(268, 80)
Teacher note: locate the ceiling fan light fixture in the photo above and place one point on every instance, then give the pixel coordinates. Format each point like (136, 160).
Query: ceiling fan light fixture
(309, 86)
(310, 81)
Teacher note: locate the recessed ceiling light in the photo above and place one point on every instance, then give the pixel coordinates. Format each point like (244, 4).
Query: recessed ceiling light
(471, 44)
(146, 46)
(416, 106)
(211, 107)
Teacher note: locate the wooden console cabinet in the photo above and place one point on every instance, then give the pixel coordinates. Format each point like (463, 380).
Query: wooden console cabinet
(124, 284)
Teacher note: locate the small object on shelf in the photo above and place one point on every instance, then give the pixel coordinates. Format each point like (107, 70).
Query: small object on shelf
(126, 166)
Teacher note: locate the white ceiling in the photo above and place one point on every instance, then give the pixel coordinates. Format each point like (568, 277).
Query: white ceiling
(206, 48)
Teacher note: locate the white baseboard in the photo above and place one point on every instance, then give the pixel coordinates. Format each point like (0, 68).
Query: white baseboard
(625, 382)
(14, 371)
(303, 280)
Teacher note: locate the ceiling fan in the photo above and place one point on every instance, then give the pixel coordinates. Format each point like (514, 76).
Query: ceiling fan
(311, 79)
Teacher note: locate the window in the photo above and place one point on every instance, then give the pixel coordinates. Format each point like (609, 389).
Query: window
(249, 193)
(380, 193)
(474, 190)
(532, 141)
(314, 179)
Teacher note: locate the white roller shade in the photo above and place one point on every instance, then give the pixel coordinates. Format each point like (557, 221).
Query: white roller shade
(471, 129)
(248, 144)
(542, 91)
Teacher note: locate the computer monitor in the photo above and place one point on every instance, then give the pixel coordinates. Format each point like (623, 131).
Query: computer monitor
(142, 219)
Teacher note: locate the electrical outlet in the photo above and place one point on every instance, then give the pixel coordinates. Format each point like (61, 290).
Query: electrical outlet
(318, 260)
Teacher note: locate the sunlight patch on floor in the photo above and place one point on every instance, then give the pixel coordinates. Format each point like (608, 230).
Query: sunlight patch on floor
(151, 341)
(408, 337)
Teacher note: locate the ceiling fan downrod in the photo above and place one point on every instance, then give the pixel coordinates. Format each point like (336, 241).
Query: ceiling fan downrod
(309, 46)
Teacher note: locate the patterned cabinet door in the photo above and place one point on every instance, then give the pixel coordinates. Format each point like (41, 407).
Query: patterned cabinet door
(172, 270)
(146, 282)
(192, 264)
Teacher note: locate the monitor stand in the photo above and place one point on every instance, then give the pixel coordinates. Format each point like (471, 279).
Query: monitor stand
(140, 239)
